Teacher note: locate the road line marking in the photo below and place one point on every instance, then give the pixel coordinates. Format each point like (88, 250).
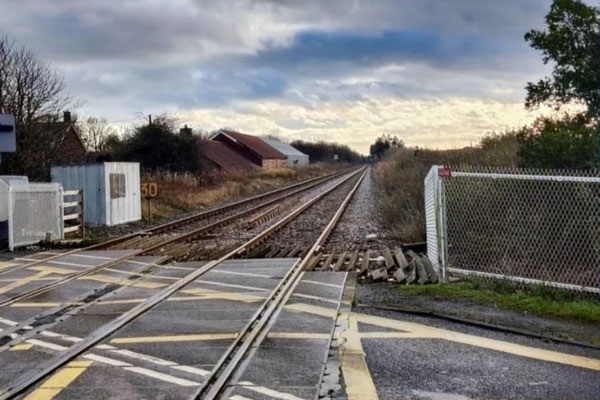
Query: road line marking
(8, 322)
(140, 274)
(251, 288)
(308, 296)
(22, 346)
(106, 360)
(266, 391)
(321, 283)
(311, 309)
(192, 370)
(40, 279)
(23, 281)
(238, 397)
(359, 383)
(243, 274)
(57, 382)
(478, 341)
(175, 338)
(162, 377)
(298, 335)
(4, 265)
(122, 281)
(143, 357)
(397, 335)
(47, 345)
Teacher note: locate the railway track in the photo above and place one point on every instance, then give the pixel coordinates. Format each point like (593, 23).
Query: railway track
(174, 239)
(173, 242)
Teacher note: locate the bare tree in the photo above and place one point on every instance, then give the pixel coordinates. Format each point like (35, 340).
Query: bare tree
(32, 91)
(94, 133)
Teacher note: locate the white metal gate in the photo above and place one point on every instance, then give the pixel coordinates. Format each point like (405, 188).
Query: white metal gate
(35, 213)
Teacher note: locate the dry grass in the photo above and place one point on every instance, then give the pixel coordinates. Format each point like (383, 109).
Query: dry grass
(400, 177)
(186, 192)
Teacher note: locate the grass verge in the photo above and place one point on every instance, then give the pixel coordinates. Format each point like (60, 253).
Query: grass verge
(537, 300)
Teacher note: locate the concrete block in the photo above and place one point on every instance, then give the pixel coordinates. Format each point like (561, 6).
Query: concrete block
(433, 275)
(389, 259)
(421, 272)
(378, 275)
(380, 261)
(399, 276)
(400, 258)
(411, 272)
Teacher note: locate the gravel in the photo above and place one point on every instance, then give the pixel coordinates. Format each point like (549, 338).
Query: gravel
(361, 218)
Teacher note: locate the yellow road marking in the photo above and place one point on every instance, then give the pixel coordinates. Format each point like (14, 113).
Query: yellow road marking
(40, 279)
(175, 338)
(123, 281)
(22, 346)
(57, 382)
(24, 281)
(4, 265)
(297, 335)
(425, 331)
(359, 384)
(54, 270)
(214, 336)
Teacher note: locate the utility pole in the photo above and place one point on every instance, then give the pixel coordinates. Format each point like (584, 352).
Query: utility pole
(149, 119)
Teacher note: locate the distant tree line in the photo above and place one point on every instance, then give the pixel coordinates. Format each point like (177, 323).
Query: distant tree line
(325, 151)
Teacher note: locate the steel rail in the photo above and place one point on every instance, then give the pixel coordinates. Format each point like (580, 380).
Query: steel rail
(46, 369)
(215, 383)
(178, 238)
(172, 224)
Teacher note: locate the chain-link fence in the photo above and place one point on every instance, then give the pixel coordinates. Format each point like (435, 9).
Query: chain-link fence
(35, 213)
(529, 226)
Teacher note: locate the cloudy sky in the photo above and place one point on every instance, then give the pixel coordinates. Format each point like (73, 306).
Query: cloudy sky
(437, 73)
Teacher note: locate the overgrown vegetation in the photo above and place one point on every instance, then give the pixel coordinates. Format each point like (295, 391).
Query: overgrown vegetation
(181, 192)
(535, 299)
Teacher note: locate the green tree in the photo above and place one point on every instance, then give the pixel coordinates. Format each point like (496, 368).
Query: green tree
(383, 144)
(572, 43)
(572, 142)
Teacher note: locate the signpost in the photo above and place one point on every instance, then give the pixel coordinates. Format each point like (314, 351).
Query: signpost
(149, 191)
(8, 141)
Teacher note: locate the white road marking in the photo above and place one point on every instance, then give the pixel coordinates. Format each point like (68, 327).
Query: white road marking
(243, 274)
(162, 377)
(252, 288)
(321, 283)
(269, 392)
(307, 296)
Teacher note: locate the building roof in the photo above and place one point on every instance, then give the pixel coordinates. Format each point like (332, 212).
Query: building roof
(224, 156)
(256, 144)
(283, 147)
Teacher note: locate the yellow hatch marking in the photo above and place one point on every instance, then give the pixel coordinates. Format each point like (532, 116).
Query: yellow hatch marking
(57, 382)
(22, 346)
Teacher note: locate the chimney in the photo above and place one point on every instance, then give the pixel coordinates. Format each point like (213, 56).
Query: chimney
(67, 116)
(185, 130)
